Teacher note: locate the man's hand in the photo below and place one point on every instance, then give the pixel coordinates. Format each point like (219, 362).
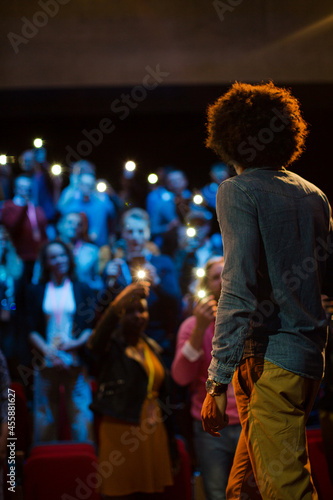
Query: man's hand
(213, 414)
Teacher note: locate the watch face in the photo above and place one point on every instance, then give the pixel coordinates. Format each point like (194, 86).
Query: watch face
(210, 386)
(214, 388)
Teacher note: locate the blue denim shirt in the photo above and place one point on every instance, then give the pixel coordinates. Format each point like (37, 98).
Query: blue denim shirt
(275, 229)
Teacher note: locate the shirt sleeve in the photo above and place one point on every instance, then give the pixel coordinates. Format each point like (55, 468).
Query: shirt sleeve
(237, 216)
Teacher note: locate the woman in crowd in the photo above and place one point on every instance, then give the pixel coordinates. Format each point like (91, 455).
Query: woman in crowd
(193, 355)
(132, 383)
(72, 228)
(164, 301)
(58, 331)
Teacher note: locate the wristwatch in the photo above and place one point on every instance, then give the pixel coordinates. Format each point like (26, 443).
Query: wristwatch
(215, 388)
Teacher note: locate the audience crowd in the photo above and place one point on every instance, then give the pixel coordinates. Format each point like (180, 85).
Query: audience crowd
(68, 251)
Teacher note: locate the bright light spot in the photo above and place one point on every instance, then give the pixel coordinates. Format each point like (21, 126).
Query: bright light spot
(38, 143)
(191, 232)
(152, 178)
(56, 169)
(201, 294)
(130, 166)
(141, 274)
(101, 186)
(3, 159)
(200, 272)
(198, 199)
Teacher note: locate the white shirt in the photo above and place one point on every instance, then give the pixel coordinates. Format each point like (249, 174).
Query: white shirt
(59, 307)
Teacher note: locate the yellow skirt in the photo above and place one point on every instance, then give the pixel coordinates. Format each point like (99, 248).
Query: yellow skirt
(134, 458)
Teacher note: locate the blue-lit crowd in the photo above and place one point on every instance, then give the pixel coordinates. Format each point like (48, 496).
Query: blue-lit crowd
(93, 279)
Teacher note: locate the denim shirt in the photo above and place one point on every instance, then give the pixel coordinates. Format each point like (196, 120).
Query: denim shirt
(276, 232)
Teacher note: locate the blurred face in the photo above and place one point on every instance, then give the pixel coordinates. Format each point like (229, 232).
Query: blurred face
(136, 316)
(57, 260)
(220, 173)
(214, 280)
(40, 155)
(71, 227)
(87, 184)
(136, 234)
(176, 182)
(23, 187)
(28, 160)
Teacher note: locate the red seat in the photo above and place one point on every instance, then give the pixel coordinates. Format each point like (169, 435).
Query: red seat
(319, 465)
(61, 448)
(61, 471)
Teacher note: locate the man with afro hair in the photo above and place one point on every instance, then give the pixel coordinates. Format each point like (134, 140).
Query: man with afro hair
(271, 330)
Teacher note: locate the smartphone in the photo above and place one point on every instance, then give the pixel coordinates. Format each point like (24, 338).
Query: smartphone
(138, 261)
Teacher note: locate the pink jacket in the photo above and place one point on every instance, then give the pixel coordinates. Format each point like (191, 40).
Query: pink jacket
(190, 367)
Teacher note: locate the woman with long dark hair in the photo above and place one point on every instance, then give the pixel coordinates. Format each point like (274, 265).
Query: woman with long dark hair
(60, 321)
(132, 399)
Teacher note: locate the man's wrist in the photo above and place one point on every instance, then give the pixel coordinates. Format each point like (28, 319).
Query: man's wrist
(215, 388)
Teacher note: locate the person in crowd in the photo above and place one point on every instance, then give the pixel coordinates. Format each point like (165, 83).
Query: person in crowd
(192, 359)
(11, 268)
(158, 190)
(116, 200)
(27, 161)
(58, 331)
(6, 175)
(100, 212)
(77, 168)
(25, 223)
(219, 172)
(271, 329)
(170, 211)
(195, 250)
(71, 228)
(132, 390)
(326, 400)
(4, 400)
(164, 301)
(46, 187)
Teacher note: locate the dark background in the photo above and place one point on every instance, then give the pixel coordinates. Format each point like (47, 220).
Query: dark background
(168, 127)
(65, 76)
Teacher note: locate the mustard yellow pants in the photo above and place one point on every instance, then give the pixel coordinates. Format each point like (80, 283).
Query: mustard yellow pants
(271, 460)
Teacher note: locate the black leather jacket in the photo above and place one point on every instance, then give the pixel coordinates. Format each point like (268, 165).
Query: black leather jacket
(122, 384)
(122, 381)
